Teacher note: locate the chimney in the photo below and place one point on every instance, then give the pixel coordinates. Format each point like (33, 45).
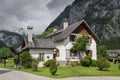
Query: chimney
(30, 29)
(65, 23)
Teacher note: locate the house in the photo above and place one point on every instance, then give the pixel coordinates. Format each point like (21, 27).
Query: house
(113, 54)
(65, 38)
(57, 45)
(38, 48)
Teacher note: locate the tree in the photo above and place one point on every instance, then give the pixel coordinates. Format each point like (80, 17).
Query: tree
(50, 30)
(35, 62)
(26, 59)
(80, 45)
(4, 54)
(103, 64)
(102, 52)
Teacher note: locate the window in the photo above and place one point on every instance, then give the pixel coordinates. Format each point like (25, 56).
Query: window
(72, 38)
(73, 54)
(89, 39)
(41, 56)
(89, 52)
(57, 53)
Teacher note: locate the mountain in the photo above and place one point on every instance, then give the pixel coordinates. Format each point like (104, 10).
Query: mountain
(10, 39)
(103, 16)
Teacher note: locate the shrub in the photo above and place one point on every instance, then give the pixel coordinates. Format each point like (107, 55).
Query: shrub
(26, 59)
(94, 63)
(119, 66)
(53, 67)
(118, 59)
(48, 62)
(86, 61)
(35, 63)
(74, 63)
(103, 64)
(15, 59)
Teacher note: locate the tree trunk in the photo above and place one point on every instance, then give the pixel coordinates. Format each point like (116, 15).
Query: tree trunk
(4, 62)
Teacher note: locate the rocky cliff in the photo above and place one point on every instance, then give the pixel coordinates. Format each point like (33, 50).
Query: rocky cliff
(10, 39)
(103, 16)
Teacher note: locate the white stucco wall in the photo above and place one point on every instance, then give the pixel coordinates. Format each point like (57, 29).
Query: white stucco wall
(47, 52)
(66, 44)
(94, 49)
(62, 51)
(63, 46)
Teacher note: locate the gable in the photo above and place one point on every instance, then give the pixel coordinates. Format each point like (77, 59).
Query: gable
(84, 28)
(79, 27)
(81, 30)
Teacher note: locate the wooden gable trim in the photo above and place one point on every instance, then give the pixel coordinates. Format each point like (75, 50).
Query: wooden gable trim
(84, 28)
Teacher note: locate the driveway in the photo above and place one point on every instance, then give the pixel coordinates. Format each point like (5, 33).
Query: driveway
(19, 75)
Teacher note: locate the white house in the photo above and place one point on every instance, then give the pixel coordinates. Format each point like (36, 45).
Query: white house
(65, 38)
(57, 45)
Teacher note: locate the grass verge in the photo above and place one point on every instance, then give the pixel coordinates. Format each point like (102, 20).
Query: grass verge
(69, 71)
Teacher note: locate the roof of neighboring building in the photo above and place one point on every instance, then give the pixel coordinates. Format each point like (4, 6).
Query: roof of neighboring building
(65, 33)
(36, 44)
(42, 43)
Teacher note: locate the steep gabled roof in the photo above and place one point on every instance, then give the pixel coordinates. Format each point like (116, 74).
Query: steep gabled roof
(43, 43)
(36, 44)
(65, 33)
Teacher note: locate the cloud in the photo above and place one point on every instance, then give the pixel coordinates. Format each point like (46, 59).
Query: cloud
(15, 14)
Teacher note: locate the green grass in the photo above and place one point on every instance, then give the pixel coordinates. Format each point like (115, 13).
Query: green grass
(69, 71)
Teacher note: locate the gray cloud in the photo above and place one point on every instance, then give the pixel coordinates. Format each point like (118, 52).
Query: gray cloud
(15, 14)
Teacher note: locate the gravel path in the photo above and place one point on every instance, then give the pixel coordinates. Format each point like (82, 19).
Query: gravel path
(19, 75)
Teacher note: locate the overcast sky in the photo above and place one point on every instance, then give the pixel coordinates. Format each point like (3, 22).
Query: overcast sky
(15, 14)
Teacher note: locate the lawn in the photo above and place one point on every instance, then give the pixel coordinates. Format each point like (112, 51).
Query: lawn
(69, 71)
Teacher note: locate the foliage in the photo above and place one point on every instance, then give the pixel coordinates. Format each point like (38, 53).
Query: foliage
(80, 44)
(53, 67)
(118, 58)
(69, 71)
(103, 64)
(102, 52)
(73, 63)
(4, 54)
(50, 30)
(86, 61)
(35, 63)
(26, 59)
(15, 59)
(48, 62)
(119, 66)
(112, 43)
(94, 63)
(2, 44)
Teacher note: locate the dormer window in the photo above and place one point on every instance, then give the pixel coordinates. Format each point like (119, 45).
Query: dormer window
(73, 37)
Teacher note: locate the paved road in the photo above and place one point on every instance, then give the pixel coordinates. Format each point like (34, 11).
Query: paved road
(19, 75)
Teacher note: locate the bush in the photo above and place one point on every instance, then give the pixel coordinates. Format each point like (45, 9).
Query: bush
(35, 63)
(74, 63)
(26, 59)
(94, 63)
(118, 59)
(53, 67)
(119, 66)
(48, 62)
(86, 61)
(103, 64)
(15, 59)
